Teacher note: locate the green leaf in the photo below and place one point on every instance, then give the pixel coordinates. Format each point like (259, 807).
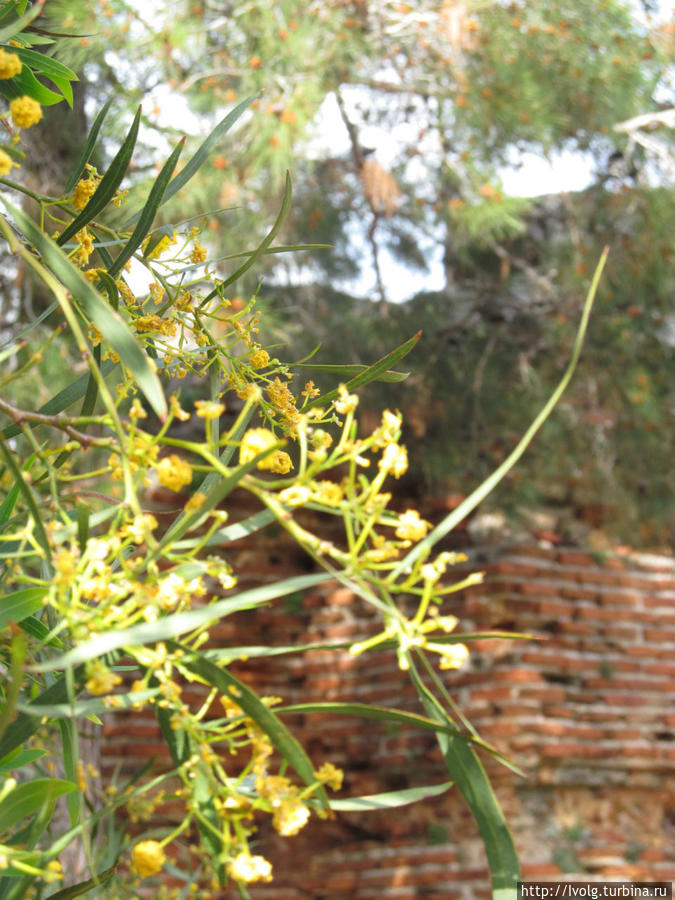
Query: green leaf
(8, 504)
(391, 799)
(230, 533)
(88, 148)
(369, 373)
(59, 74)
(79, 708)
(472, 782)
(481, 492)
(18, 25)
(25, 83)
(18, 479)
(29, 797)
(76, 890)
(18, 758)
(108, 321)
(68, 732)
(26, 724)
(178, 623)
(148, 212)
(194, 164)
(19, 605)
(262, 247)
(365, 710)
(108, 184)
(39, 630)
(262, 715)
(347, 372)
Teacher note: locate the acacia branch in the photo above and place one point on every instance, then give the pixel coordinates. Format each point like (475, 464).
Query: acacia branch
(22, 416)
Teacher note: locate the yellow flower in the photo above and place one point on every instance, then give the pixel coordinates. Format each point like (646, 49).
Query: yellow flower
(410, 527)
(247, 868)
(259, 440)
(139, 528)
(209, 409)
(163, 244)
(330, 775)
(173, 472)
(389, 429)
(296, 495)
(198, 254)
(84, 190)
(86, 248)
(259, 359)
(6, 163)
(346, 402)
(196, 501)
(280, 463)
(453, 656)
(177, 409)
(10, 64)
(25, 111)
(148, 858)
(327, 492)
(394, 460)
(290, 817)
(101, 679)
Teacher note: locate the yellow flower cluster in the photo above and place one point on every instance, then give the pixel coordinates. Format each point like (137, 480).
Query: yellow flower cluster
(199, 253)
(259, 358)
(173, 472)
(209, 409)
(259, 440)
(6, 163)
(247, 868)
(25, 112)
(148, 858)
(10, 64)
(86, 248)
(284, 402)
(84, 191)
(156, 324)
(101, 680)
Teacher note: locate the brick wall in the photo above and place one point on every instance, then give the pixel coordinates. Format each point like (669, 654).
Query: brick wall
(586, 711)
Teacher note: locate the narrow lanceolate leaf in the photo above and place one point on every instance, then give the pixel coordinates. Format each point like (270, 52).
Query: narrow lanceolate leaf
(110, 323)
(26, 724)
(471, 502)
(79, 708)
(148, 212)
(59, 74)
(76, 890)
(179, 623)
(202, 153)
(28, 797)
(471, 780)
(260, 250)
(88, 148)
(13, 28)
(26, 83)
(19, 605)
(19, 758)
(108, 185)
(370, 373)
(391, 799)
(263, 716)
(230, 533)
(344, 373)
(8, 504)
(18, 479)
